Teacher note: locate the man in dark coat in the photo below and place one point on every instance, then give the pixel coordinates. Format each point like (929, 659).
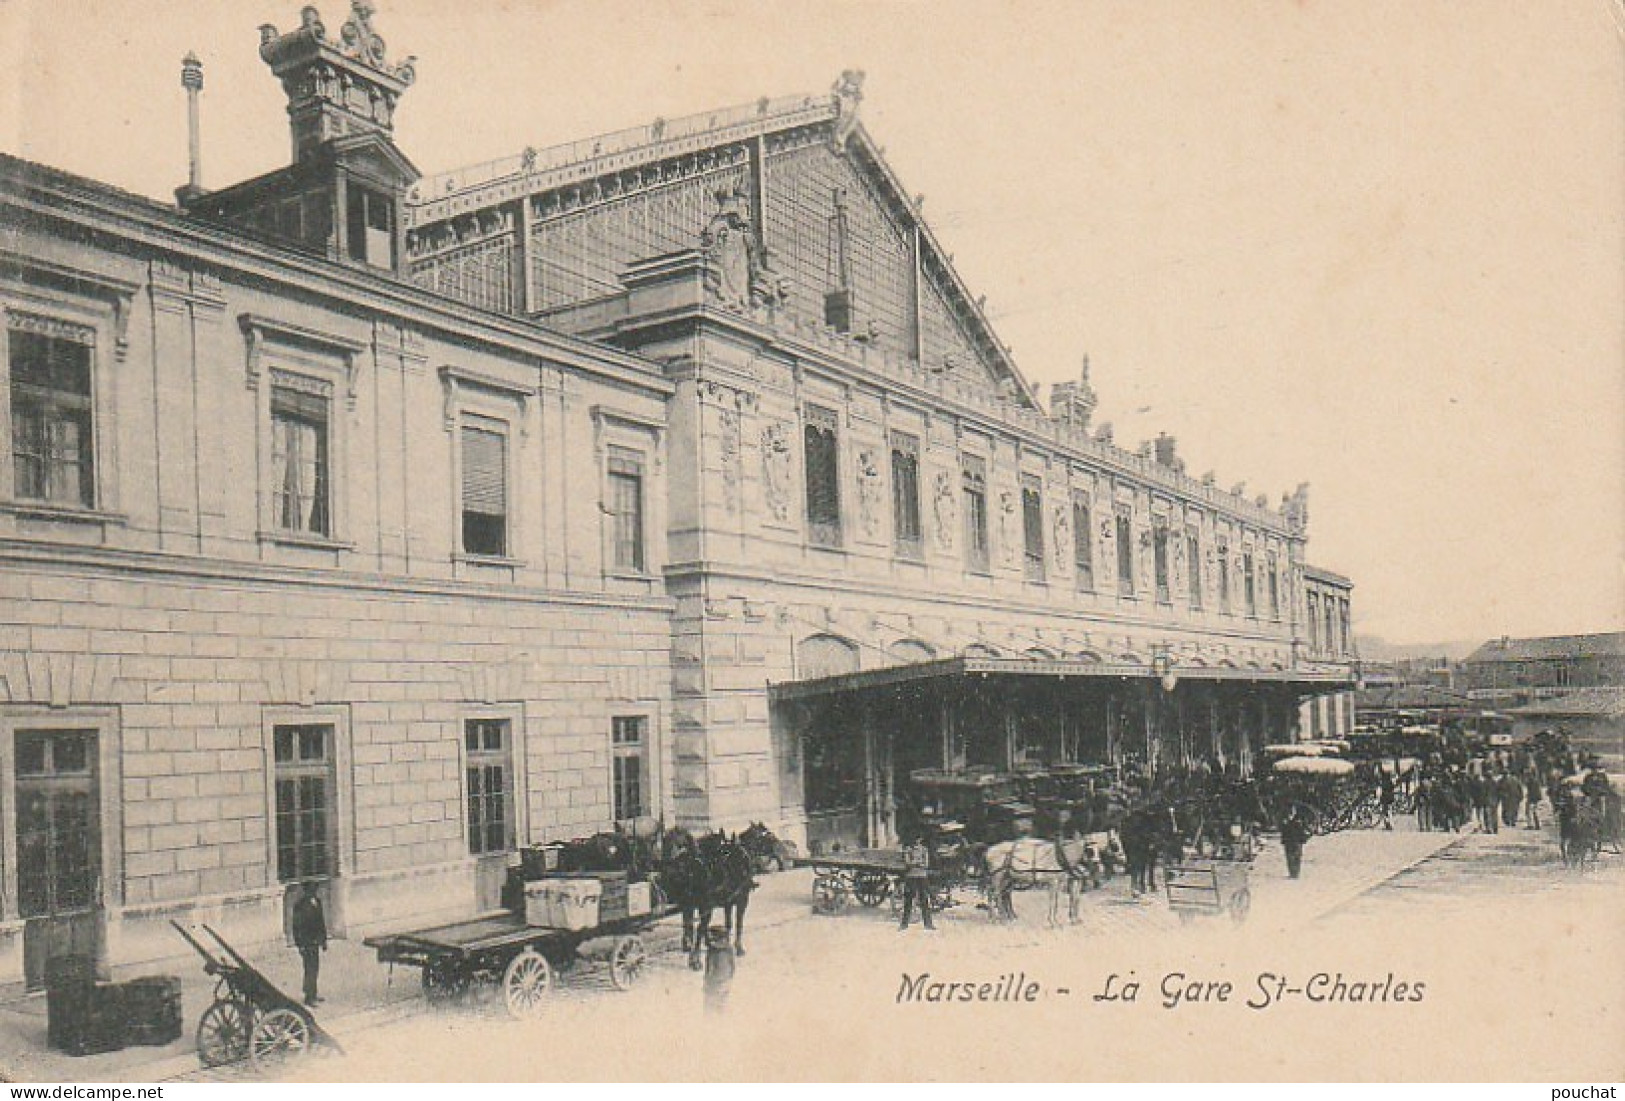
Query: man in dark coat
(1294, 834)
(310, 937)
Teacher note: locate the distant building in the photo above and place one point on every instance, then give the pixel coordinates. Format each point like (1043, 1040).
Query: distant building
(1330, 641)
(1524, 669)
(1594, 719)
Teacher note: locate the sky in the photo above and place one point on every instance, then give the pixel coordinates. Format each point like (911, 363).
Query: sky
(1375, 246)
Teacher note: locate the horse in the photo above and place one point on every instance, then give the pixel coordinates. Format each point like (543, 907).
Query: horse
(711, 873)
(1579, 831)
(767, 852)
(1032, 862)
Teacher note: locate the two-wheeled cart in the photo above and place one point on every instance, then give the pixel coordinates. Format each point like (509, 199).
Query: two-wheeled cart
(499, 949)
(250, 1018)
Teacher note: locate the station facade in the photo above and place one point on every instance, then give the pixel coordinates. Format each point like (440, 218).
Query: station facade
(358, 528)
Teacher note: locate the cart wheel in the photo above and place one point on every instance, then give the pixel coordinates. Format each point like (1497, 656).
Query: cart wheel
(443, 984)
(526, 983)
(829, 897)
(626, 962)
(222, 1033)
(278, 1037)
(1240, 903)
(871, 888)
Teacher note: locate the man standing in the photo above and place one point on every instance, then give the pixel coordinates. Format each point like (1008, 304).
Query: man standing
(1294, 834)
(917, 881)
(310, 937)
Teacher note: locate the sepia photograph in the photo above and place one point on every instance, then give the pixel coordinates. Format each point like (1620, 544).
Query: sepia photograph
(839, 540)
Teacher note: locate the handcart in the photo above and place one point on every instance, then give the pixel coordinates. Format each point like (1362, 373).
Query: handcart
(1209, 887)
(250, 1018)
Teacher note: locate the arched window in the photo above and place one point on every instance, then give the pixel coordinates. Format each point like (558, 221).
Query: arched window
(825, 656)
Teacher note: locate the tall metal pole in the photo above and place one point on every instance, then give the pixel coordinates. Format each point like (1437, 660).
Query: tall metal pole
(192, 81)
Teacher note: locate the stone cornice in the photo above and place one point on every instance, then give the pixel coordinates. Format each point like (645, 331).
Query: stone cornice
(144, 223)
(1109, 619)
(188, 569)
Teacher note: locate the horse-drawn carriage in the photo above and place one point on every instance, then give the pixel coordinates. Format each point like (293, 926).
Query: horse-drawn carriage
(1330, 793)
(986, 803)
(249, 1018)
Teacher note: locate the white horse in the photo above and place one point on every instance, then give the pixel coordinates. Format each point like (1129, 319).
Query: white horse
(1037, 862)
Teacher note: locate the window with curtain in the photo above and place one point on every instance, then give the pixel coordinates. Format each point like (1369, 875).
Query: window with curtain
(1083, 544)
(485, 491)
(973, 474)
(299, 460)
(51, 439)
(1032, 527)
(822, 459)
(488, 744)
(905, 493)
(626, 508)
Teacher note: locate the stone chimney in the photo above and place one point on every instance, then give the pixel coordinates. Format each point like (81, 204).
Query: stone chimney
(1165, 446)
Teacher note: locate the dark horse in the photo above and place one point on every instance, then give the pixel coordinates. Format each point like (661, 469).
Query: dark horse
(699, 876)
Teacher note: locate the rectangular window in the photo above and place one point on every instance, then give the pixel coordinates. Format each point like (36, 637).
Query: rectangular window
(58, 822)
(371, 222)
(1224, 576)
(1274, 583)
(1193, 567)
(629, 744)
(1159, 560)
(1125, 552)
(1249, 584)
(488, 744)
(973, 477)
(821, 447)
(905, 493)
(485, 491)
(305, 810)
(51, 440)
(1314, 623)
(1032, 526)
(300, 472)
(626, 507)
(1083, 543)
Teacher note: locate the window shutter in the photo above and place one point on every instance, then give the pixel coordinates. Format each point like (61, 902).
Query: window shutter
(484, 472)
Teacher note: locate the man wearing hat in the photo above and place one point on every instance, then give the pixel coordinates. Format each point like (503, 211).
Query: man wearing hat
(310, 937)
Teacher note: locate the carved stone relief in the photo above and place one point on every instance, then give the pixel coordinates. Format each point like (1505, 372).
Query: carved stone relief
(1007, 527)
(943, 510)
(728, 458)
(776, 469)
(868, 494)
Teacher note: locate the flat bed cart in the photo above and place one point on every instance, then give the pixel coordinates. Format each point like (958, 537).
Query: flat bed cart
(500, 949)
(870, 877)
(1209, 887)
(250, 1018)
